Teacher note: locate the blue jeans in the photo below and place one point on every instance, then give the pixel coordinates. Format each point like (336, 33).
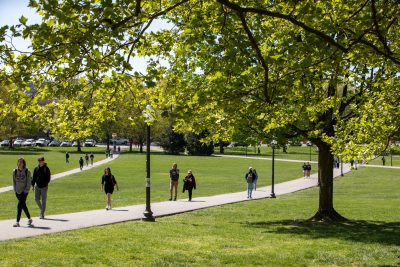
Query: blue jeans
(250, 187)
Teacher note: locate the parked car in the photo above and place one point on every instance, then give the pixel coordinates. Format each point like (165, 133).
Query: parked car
(75, 143)
(18, 142)
(90, 142)
(65, 143)
(5, 143)
(119, 141)
(42, 142)
(54, 143)
(29, 142)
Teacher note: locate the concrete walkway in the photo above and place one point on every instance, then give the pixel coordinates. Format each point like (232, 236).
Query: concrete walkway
(63, 174)
(72, 221)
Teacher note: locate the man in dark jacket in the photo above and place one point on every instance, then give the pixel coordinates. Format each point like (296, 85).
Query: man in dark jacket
(41, 177)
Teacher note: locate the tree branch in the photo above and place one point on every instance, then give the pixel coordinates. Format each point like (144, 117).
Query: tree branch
(258, 53)
(291, 19)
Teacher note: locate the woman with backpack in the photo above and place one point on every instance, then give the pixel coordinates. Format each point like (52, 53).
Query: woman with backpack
(108, 183)
(250, 177)
(21, 184)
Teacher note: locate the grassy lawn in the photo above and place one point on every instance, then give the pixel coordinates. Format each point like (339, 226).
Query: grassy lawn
(292, 152)
(214, 175)
(390, 161)
(302, 153)
(55, 158)
(268, 232)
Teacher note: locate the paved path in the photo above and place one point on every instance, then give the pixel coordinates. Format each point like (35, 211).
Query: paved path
(63, 174)
(264, 158)
(72, 221)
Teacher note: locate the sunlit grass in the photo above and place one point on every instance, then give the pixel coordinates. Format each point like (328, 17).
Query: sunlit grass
(55, 158)
(214, 175)
(269, 232)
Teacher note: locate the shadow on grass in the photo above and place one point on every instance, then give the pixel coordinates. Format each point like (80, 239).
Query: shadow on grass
(357, 231)
(21, 152)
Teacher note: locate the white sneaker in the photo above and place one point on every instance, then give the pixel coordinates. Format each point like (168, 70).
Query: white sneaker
(16, 224)
(30, 222)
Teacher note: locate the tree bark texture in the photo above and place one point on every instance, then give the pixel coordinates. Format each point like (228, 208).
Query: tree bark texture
(326, 211)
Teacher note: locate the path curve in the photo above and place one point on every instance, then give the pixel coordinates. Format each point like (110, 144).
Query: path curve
(85, 219)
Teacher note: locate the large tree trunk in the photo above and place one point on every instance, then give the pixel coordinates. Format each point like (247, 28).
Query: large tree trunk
(326, 212)
(79, 146)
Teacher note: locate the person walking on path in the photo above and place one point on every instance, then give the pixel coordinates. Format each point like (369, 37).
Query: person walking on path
(305, 170)
(189, 182)
(91, 158)
(108, 183)
(308, 170)
(383, 160)
(249, 177)
(41, 177)
(67, 157)
(174, 180)
(21, 184)
(87, 160)
(255, 179)
(81, 163)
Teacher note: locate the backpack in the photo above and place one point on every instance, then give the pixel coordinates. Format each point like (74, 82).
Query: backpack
(249, 178)
(26, 172)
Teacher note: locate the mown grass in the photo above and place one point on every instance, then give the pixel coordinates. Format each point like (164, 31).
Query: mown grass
(55, 158)
(214, 175)
(292, 152)
(269, 232)
(304, 153)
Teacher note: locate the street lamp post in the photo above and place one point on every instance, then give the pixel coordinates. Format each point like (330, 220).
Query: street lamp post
(114, 135)
(149, 118)
(273, 169)
(341, 167)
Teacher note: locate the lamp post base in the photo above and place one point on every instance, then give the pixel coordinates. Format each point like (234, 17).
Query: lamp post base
(272, 195)
(148, 217)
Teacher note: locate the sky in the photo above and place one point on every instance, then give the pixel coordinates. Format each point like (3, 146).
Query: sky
(12, 10)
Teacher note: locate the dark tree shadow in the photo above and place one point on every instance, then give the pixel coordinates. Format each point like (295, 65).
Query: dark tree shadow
(58, 220)
(358, 231)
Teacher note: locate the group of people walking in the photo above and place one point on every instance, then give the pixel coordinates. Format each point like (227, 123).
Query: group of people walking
(251, 178)
(306, 169)
(189, 183)
(23, 180)
(81, 162)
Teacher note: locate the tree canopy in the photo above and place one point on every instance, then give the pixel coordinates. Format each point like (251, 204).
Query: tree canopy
(327, 71)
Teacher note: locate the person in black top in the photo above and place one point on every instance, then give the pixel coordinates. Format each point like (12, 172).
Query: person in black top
(81, 163)
(91, 158)
(189, 184)
(87, 160)
(305, 170)
(174, 176)
(41, 177)
(107, 185)
(67, 157)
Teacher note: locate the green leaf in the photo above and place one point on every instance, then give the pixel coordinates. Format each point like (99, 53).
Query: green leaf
(23, 20)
